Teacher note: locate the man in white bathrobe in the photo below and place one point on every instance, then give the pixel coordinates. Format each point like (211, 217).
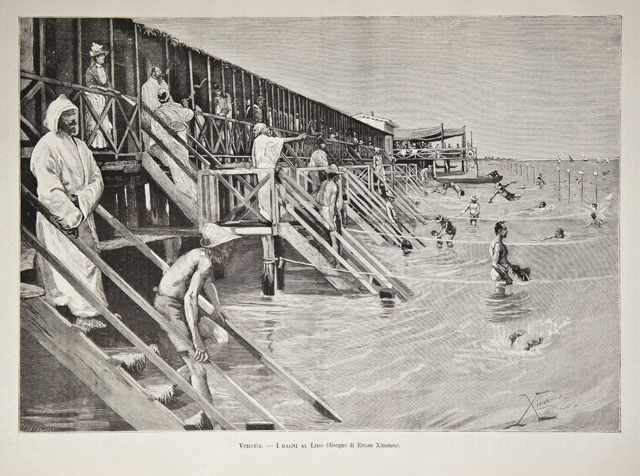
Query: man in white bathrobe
(149, 97)
(69, 185)
(264, 155)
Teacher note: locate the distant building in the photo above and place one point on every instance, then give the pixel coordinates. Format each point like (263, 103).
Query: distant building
(386, 125)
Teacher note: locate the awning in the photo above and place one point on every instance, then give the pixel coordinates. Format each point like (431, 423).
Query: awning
(428, 134)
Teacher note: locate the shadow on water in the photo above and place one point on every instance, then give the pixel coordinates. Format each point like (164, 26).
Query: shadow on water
(507, 307)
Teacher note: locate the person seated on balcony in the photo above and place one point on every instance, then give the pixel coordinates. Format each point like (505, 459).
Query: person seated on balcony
(196, 338)
(255, 113)
(318, 159)
(265, 154)
(222, 102)
(149, 97)
(97, 76)
(329, 198)
(69, 186)
(175, 119)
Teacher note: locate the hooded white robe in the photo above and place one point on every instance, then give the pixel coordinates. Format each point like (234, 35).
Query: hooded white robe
(264, 155)
(62, 166)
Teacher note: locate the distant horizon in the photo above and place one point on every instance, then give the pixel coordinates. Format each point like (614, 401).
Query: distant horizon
(525, 86)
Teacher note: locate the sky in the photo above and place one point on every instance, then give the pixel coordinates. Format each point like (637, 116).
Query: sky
(528, 87)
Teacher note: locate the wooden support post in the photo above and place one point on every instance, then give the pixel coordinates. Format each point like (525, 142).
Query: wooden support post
(168, 64)
(160, 218)
(244, 96)
(268, 266)
(280, 262)
(131, 204)
(138, 88)
(79, 49)
(114, 130)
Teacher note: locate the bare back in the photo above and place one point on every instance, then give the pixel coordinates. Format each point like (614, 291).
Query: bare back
(176, 281)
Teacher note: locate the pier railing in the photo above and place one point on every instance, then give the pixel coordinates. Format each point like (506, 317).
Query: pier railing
(231, 196)
(436, 154)
(228, 139)
(123, 141)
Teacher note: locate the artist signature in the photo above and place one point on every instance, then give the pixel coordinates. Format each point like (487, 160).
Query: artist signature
(533, 406)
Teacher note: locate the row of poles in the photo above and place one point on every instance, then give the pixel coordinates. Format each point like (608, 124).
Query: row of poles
(523, 169)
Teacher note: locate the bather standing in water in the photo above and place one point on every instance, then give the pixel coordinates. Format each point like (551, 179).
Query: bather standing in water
(474, 210)
(500, 265)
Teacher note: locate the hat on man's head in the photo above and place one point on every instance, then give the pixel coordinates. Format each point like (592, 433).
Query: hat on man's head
(438, 219)
(216, 87)
(97, 50)
(377, 149)
(474, 198)
(214, 235)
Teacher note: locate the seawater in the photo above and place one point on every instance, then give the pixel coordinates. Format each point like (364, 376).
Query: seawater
(443, 360)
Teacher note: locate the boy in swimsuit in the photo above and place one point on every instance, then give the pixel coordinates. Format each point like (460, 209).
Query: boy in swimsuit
(447, 230)
(474, 210)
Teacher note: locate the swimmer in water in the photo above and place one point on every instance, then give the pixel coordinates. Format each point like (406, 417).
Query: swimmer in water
(539, 181)
(513, 337)
(446, 186)
(502, 190)
(500, 265)
(595, 221)
(558, 235)
(474, 210)
(533, 342)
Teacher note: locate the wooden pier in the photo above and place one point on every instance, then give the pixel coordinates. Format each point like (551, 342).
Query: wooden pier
(143, 203)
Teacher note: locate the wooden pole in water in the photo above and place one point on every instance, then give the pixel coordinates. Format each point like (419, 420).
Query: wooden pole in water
(280, 274)
(527, 172)
(569, 185)
(581, 184)
(268, 266)
(595, 176)
(558, 169)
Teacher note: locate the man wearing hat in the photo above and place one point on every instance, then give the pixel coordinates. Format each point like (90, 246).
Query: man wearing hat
(177, 300)
(474, 210)
(97, 76)
(329, 197)
(265, 154)
(318, 159)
